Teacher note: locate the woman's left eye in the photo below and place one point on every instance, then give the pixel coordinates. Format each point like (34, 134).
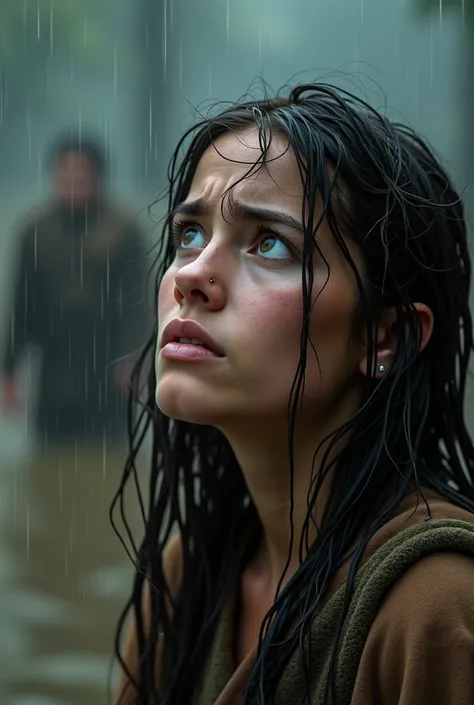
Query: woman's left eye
(192, 238)
(272, 247)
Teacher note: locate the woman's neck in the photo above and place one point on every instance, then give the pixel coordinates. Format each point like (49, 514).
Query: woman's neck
(281, 491)
(282, 513)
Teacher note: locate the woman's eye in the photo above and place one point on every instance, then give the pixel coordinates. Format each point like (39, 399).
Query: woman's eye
(192, 238)
(271, 247)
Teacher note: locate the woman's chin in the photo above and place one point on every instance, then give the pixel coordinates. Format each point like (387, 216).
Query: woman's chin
(185, 405)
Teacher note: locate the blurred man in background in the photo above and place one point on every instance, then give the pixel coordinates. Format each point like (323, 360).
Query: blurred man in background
(79, 300)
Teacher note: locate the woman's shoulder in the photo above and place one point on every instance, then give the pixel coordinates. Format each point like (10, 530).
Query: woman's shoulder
(173, 562)
(420, 647)
(172, 570)
(413, 510)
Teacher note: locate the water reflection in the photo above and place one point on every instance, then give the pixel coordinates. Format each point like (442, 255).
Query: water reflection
(70, 575)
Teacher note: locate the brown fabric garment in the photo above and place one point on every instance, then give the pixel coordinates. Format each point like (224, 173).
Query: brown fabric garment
(420, 649)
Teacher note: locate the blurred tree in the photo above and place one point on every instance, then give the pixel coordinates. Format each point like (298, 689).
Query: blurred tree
(38, 35)
(53, 55)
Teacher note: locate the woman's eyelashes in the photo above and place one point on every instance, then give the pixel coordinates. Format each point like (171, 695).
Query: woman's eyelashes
(191, 239)
(268, 244)
(271, 245)
(183, 234)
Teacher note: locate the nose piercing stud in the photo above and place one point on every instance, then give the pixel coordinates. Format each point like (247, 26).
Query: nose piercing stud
(212, 280)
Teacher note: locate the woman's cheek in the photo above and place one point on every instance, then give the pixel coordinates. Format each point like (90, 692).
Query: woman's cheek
(281, 310)
(166, 293)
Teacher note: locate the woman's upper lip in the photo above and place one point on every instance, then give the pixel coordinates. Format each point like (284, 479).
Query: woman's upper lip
(179, 328)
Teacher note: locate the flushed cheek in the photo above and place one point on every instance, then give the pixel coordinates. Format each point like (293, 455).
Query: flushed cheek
(166, 298)
(276, 314)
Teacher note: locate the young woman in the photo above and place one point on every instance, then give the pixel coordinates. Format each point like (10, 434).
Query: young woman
(310, 447)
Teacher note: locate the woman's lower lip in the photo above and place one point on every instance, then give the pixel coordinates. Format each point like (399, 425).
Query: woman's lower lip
(187, 352)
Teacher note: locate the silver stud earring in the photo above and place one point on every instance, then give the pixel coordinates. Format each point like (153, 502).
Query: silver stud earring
(381, 369)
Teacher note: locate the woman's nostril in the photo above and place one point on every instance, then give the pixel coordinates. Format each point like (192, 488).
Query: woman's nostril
(197, 293)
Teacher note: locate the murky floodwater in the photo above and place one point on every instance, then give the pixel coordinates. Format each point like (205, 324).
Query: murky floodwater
(64, 576)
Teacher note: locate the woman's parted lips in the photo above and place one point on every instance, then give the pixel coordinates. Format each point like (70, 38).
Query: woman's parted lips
(179, 328)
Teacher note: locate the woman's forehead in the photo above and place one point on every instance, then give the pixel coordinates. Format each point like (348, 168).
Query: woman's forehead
(234, 161)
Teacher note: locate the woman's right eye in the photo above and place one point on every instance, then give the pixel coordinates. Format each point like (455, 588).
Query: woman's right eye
(191, 238)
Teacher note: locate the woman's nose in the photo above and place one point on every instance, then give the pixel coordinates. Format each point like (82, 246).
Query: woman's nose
(200, 287)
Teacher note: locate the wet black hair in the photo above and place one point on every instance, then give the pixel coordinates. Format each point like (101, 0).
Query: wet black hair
(79, 142)
(381, 187)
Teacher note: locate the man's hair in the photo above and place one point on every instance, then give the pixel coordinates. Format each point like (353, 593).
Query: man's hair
(78, 142)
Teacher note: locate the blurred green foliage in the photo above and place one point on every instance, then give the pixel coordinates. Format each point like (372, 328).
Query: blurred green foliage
(57, 25)
(41, 36)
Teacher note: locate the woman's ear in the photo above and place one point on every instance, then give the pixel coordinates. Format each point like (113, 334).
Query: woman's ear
(387, 338)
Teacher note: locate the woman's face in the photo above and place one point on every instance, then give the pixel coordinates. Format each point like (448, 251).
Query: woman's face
(238, 274)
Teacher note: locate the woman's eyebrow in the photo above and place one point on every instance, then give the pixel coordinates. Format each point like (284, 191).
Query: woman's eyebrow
(198, 207)
(240, 211)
